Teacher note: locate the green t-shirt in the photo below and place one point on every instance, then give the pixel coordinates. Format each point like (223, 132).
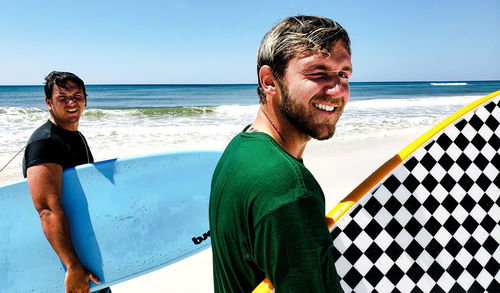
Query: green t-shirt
(267, 218)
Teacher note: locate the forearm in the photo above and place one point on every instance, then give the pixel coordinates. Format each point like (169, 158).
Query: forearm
(56, 230)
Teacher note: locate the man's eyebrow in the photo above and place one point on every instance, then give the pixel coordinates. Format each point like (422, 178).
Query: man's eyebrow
(325, 68)
(347, 68)
(317, 67)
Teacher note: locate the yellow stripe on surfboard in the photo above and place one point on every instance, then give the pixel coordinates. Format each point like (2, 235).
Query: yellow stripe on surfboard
(340, 209)
(388, 166)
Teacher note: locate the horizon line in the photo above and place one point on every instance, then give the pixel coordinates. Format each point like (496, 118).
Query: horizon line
(253, 84)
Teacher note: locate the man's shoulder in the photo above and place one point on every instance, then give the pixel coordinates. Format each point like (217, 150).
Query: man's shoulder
(49, 132)
(257, 168)
(43, 132)
(258, 155)
(45, 140)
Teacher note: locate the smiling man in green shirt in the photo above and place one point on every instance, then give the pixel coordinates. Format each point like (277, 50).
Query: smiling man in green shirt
(267, 212)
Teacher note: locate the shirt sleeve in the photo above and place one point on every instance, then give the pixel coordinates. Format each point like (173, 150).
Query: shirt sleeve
(294, 248)
(43, 151)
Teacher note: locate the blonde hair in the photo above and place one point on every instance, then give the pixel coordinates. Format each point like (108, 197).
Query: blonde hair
(294, 36)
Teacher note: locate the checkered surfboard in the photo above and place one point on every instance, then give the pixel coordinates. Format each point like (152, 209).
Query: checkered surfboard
(433, 223)
(428, 220)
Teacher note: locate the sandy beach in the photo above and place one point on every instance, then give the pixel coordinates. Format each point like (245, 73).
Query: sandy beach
(338, 166)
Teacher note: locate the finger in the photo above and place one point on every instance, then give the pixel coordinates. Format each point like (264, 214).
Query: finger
(94, 279)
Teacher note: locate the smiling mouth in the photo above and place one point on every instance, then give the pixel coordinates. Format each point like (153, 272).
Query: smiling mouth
(72, 111)
(324, 107)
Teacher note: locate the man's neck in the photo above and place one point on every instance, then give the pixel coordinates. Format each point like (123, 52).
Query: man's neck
(285, 134)
(68, 127)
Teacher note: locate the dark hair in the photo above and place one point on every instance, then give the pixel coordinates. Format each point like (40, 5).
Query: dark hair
(61, 79)
(294, 36)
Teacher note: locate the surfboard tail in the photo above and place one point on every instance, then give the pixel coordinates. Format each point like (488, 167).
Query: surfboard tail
(264, 287)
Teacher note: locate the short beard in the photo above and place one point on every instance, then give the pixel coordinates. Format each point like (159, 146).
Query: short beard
(302, 120)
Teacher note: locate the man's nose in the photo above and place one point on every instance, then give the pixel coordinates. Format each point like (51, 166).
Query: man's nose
(71, 100)
(338, 88)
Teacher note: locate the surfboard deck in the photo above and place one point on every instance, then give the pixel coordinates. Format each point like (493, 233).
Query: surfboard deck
(127, 216)
(428, 220)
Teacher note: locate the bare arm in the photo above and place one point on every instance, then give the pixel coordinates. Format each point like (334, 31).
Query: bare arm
(45, 184)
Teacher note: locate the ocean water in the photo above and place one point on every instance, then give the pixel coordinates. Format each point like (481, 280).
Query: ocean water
(124, 120)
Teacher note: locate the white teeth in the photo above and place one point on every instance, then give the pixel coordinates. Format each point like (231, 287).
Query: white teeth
(324, 107)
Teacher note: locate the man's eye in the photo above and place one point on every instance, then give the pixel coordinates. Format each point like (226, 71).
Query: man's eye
(318, 75)
(343, 75)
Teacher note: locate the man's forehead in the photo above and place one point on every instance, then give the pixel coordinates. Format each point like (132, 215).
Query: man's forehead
(328, 50)
(338, 55)
(68, 85)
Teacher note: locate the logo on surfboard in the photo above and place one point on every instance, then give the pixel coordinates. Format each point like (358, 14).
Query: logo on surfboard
(200, 239)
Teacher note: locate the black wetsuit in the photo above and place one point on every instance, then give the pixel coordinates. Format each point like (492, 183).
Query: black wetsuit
(52, 144)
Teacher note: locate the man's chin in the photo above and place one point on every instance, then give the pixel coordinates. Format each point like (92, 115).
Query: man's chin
(324, 135)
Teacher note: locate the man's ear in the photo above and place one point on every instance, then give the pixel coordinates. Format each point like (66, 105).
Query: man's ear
(267, 81)
(48, 102)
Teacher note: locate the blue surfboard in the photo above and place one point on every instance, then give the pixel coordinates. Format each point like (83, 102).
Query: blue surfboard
(127, 217)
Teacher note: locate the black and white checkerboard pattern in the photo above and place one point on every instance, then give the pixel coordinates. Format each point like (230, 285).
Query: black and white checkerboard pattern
(433, 224)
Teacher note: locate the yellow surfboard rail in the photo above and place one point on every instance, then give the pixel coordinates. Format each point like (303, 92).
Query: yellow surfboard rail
(340, 209)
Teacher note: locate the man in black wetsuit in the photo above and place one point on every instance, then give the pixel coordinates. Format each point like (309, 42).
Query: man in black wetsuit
(53, 147)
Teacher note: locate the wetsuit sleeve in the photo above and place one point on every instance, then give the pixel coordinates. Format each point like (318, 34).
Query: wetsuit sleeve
(294, 248)
(44, 151)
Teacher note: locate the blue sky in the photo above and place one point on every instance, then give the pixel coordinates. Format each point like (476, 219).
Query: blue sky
(216, 41)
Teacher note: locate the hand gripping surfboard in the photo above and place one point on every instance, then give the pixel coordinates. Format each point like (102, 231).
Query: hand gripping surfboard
(427, 220)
